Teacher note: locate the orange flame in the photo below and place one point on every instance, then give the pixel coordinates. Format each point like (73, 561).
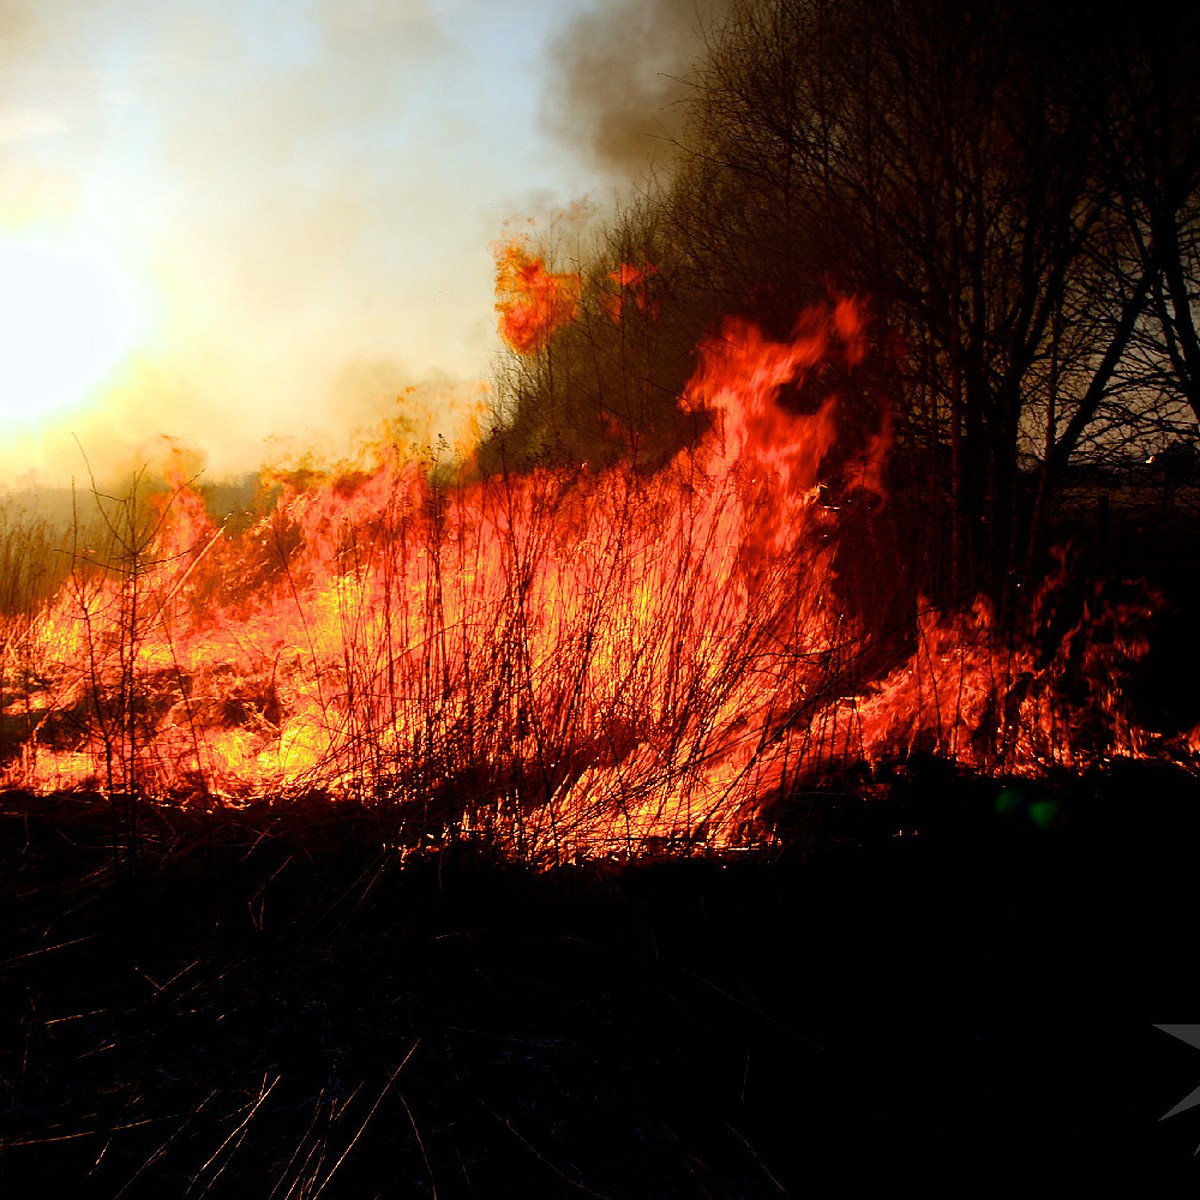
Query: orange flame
(630, 281)
(533, 303)
(567, 662)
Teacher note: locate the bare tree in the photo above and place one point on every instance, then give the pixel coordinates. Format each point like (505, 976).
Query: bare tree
(1013, 191)
(941, 160)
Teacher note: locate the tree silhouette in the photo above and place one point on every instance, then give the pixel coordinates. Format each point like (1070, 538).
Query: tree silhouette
(1013, 189)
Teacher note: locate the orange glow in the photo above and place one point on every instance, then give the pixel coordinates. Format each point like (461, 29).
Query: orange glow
(533, 303)
(569, 662)
(629, 280)
(66, 320)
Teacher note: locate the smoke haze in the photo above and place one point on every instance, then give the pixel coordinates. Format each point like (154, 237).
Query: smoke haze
(617, 78)
(304, 195)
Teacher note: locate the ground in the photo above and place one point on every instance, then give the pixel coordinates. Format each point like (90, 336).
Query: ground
(952, 982)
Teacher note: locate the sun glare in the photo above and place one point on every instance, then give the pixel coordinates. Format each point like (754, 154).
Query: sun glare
(66, 319)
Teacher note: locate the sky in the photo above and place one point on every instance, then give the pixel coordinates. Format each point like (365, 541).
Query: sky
(279, 214)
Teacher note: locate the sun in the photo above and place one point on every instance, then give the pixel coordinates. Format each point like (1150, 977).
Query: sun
(66, 320)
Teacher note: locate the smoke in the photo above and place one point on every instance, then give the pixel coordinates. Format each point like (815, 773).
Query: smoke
(617, 81)
(305, 193)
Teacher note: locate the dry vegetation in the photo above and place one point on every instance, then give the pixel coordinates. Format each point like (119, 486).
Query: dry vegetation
(278, 1005)
(770, 754)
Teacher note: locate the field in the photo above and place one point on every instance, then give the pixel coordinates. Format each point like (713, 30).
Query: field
(411, 832)
(717, 718)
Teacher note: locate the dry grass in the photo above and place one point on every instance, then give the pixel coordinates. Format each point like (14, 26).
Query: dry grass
(558, 664)
(279, 1005)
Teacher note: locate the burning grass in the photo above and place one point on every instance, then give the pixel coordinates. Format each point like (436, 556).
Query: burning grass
(563, 663)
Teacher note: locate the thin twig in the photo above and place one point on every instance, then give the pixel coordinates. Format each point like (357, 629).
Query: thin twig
(575, 1183)
(240, 1130)
(367, 1120)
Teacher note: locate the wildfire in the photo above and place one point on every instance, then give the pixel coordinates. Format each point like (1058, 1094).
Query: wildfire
(630, 281)
(568, 661)
(533, 303)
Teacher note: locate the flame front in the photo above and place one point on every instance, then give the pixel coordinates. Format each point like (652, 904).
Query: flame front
(569, 661)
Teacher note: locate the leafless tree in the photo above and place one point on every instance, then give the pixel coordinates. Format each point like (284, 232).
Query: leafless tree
(1015, 192)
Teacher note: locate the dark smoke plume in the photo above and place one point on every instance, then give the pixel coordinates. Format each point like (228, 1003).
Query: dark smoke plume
(617, 78)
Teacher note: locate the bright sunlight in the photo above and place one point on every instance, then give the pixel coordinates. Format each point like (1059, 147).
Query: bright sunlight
(66, 319)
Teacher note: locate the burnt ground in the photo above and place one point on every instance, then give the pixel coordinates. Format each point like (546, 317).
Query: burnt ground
(274, 1005)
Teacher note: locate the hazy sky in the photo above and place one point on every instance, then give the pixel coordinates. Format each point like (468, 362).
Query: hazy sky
(297, 197)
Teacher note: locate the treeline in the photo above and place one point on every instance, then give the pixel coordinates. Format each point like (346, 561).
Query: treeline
(1012, 190)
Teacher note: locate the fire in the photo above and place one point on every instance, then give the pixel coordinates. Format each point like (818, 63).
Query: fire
(567, 661)
(630, 281)
(533, 303)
